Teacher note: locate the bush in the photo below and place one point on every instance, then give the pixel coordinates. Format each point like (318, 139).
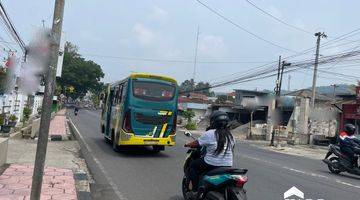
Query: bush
(2, 119)
(13, 118)
(188, 114)
(191, 126)
(26, 113)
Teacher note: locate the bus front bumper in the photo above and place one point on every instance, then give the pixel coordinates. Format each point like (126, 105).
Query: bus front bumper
(135, 140)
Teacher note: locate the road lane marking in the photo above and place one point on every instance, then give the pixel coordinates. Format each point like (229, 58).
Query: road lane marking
(108, 178)
(302, 172)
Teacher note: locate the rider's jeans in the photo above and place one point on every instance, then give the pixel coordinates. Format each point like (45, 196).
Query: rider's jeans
(197, 168)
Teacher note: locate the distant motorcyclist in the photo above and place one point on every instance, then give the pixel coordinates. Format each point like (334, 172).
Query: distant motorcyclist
(76, 110)
(348, 142)
(219, 144)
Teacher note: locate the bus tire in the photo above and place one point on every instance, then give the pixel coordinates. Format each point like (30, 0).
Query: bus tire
(158, 148)
(107, 140)
(115, 146)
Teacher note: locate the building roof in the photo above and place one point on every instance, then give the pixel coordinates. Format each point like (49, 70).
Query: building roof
(194, 95)
(307, 93)
(252, 91)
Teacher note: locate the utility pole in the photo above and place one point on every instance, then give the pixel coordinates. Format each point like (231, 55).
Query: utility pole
(334, 91)
(289, 79)
(281, 67)
(319, 35)
(43, 23)
(47, 102)
(195, 57)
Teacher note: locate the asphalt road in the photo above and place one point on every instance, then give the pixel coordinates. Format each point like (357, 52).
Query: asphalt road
(141, 174)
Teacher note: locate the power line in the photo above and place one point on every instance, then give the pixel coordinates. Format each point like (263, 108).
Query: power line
(258, 75)
(242, 28)
(279, 20)
(169, 60)
(8, 23)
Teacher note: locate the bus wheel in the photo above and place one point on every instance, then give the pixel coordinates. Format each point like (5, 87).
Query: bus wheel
(107, 140)
(158, 148)
(115, 147)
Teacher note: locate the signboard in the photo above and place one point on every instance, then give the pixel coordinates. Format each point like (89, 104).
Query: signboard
(61, 55)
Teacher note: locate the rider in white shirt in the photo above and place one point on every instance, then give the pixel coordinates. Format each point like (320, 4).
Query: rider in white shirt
(219, 144)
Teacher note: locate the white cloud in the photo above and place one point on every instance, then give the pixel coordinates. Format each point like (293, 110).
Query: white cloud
(144, 35)
(159, 13)
(212, 46)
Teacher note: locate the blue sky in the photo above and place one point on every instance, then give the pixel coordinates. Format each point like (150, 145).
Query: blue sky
(166, 30)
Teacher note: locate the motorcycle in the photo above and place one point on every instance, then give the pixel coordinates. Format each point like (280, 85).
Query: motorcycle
(223, 183)
(340, 162)
(76, 111)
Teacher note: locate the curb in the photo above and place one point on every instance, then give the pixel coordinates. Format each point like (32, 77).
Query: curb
(101, 178)
(82, 185)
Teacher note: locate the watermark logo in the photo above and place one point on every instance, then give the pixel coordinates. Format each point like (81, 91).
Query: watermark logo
(295, 194)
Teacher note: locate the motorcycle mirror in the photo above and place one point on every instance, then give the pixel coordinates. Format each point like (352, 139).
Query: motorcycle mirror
(187, 134)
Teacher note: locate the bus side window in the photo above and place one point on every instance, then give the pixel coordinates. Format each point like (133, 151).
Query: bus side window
(124, 90)
(114, 96)
(119, 96)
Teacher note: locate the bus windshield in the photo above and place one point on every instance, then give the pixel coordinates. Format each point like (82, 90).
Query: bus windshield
(153, 91)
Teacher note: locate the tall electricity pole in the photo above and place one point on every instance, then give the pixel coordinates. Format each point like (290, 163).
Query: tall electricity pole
(319, 35)
(47, 102)
(281, 68)
(334, 91)
(195, 57)
(289, 79)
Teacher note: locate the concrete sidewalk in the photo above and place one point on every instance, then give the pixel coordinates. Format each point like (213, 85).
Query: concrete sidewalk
(64, 172)
(58, 127)
(58, 183)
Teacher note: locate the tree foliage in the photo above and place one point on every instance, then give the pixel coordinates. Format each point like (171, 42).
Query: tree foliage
(202, 87)
(188, 114)
(79, 75)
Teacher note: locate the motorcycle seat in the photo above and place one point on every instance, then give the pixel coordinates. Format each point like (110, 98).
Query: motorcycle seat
(226, 170)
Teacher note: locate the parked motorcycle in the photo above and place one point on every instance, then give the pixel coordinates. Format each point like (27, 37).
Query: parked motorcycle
(223, 183)
(340, 162)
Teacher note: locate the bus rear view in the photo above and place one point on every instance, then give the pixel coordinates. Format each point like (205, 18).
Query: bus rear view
(148, 113)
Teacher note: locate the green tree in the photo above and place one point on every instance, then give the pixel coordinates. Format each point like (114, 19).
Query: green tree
(202, 87)
(78, 73)
(188, 114)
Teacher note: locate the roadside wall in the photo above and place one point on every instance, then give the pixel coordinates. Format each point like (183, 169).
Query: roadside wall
(3, 150)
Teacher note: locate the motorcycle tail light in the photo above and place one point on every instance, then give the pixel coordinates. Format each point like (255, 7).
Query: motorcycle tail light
(240, 180)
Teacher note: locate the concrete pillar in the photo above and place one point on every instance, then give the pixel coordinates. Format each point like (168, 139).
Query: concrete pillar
(304, 115)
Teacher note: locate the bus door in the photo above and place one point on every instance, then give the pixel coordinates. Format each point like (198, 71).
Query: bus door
(108, 113)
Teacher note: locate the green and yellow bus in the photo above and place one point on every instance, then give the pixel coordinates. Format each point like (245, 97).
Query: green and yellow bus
(140, 110)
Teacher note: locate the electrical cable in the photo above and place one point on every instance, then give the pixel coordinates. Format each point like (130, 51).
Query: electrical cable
(242, 28)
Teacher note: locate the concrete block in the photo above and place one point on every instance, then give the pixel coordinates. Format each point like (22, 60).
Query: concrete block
(3, 150)
(35, 128)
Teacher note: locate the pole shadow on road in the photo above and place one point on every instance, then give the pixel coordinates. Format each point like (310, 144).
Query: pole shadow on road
(129, 151)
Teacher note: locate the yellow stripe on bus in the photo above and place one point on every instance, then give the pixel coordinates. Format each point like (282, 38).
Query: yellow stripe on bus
(163, 130)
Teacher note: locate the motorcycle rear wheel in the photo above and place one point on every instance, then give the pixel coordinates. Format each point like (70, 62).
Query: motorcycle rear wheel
(185, 187)
(235, 193)
(334, 167)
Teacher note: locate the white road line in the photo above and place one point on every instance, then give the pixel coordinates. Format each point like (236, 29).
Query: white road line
(302, 172)
(109, 179)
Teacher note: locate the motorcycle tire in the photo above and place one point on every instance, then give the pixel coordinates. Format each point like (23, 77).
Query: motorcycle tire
(235, 193)
(333, 169)
(213, 195)
(185, 187)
